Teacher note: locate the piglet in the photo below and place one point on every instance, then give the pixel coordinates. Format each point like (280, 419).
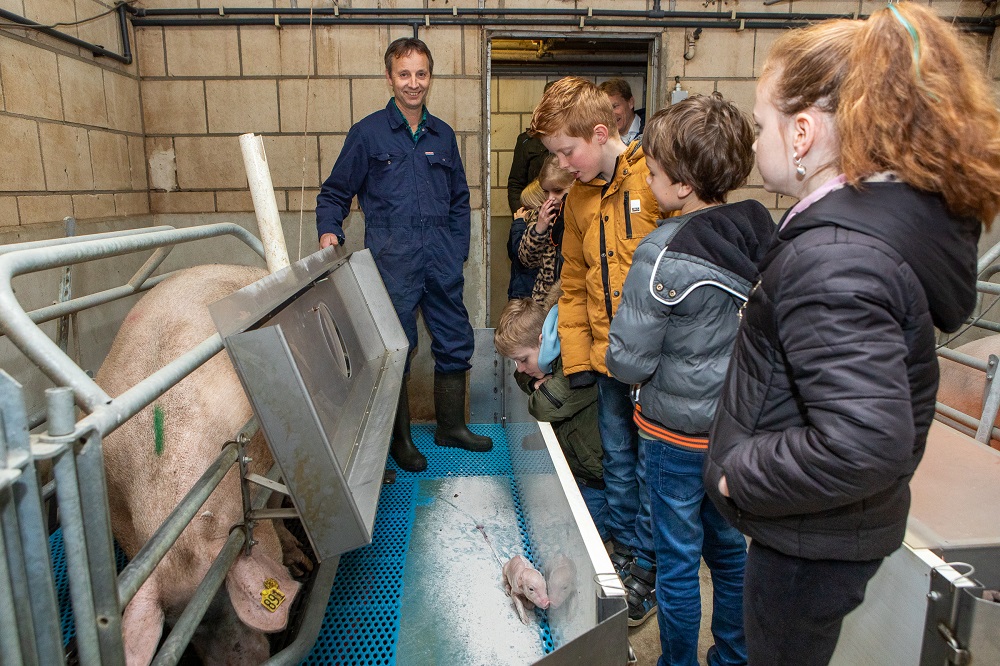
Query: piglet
(524, 585)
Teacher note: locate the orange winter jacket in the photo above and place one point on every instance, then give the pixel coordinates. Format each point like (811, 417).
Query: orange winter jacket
(605, 221)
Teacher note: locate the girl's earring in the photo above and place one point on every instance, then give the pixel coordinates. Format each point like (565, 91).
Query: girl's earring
(800, 169)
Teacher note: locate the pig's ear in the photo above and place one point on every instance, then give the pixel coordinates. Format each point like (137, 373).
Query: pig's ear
(142, 624)
(261, 591)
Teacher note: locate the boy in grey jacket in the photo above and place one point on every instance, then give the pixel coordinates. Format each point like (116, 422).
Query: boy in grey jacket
(672, 339)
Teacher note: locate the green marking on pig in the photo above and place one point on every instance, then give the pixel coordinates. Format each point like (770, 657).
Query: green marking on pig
(158, 429)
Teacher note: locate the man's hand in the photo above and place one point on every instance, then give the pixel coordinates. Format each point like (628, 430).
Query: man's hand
(326, 240)
(723, 487)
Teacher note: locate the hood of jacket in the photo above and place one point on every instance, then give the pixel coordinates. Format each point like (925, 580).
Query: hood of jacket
(939, 247)
(548, 351)
(734, 237)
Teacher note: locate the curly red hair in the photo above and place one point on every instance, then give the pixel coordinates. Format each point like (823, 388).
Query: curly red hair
(921, 107)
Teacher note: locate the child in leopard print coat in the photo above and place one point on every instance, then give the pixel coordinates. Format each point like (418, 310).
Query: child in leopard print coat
(541, 243)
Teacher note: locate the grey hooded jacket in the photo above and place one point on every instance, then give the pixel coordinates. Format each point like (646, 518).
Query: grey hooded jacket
(674, 330)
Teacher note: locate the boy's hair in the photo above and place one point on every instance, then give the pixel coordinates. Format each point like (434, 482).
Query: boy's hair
(404, 46)
(704, 142)
(532, 196)
(573, 106)
(916, 101)
(618, 87)
(519, 326)
(554, 177)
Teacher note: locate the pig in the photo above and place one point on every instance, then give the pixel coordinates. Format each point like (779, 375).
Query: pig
(154, 458)
(962, 387)
(524, 585)
(560, 580)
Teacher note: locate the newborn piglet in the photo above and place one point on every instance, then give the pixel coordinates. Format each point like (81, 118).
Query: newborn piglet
(524, 585)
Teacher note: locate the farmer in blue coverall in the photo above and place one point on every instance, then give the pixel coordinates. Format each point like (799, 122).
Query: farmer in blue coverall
(403, 165)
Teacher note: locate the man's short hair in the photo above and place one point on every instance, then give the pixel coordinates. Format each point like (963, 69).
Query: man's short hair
(618, 87)
(520, 325)
(704, 142)
(404, 46)
(572, 106)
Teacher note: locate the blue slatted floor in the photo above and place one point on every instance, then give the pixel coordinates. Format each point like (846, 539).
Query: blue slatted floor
(361, 627)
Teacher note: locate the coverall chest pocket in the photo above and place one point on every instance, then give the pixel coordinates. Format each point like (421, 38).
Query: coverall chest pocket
(385, 170)
(439, 170)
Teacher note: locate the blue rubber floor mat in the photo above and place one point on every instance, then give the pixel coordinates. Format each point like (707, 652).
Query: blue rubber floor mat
(361, 626)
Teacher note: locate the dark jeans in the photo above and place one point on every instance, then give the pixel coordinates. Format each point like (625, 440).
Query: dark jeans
(793, 608)
(597, 504)
(624, 471)
(687, 527)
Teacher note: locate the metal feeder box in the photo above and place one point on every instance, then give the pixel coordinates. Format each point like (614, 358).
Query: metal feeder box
(321, 353)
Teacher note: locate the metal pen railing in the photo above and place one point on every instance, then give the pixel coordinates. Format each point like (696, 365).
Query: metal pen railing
(29, 624)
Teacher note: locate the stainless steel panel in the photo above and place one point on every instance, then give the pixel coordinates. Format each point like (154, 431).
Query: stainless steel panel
(321, 354)
(952, 519)
(494, 396)
(486, 400)
(887, 629)
(566, 546)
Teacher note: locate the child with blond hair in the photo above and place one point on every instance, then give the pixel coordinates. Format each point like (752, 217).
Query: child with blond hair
(526, 334)
(886, 132)
(607, 213)
(541, 244)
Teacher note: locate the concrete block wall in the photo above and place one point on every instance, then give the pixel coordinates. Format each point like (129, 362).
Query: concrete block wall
(203, 87)
(70, 124)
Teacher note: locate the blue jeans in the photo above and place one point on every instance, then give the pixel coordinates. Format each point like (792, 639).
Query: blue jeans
(597, 504)
(624, 471)
(687, 527)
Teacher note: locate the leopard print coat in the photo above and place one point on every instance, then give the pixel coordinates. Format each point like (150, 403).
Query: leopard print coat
(538, 251)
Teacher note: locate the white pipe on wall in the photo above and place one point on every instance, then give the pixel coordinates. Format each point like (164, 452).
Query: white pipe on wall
(264, 205)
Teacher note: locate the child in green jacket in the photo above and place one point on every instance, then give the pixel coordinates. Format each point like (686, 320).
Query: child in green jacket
(527, 334)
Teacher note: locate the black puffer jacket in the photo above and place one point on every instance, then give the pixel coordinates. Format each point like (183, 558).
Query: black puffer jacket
(830, 391)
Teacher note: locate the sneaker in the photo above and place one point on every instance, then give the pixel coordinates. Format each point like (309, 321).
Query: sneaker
(640, 593)
(621, 558)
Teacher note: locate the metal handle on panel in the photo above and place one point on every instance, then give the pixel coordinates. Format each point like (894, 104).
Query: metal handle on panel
(334, 340)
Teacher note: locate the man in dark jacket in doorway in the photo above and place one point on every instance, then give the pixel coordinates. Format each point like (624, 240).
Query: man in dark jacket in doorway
(404, 166)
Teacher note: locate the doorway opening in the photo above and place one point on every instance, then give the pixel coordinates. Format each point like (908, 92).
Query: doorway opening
(520, 65)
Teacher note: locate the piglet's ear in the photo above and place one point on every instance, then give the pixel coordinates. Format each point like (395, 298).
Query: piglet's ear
(142, 624)
(261, 591)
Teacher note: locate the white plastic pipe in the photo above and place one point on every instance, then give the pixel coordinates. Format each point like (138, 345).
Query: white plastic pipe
(264, 205)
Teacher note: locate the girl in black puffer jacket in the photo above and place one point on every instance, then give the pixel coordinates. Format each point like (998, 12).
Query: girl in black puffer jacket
(886, 133)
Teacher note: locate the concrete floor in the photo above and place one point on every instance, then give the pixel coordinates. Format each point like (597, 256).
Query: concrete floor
(645, 640)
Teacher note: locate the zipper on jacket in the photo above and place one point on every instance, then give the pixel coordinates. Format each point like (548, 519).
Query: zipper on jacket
(628, 216)
(605, 278)
(548, 394)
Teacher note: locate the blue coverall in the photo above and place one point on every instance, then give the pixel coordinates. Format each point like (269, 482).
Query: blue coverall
(416, 204)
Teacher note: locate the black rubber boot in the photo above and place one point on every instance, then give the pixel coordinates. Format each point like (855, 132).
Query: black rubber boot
(402, 449)
(449, 409)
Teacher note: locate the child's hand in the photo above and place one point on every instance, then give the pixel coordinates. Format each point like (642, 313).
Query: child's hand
(723, 487)
(546, 214)
(520, 214)
(541, 381)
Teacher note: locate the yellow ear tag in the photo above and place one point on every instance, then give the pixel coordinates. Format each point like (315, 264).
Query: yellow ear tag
(271, 597)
